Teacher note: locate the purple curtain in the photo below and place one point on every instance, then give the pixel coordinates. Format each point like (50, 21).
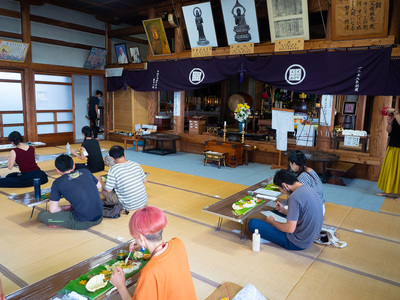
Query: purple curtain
(347, 72)
(355, 72)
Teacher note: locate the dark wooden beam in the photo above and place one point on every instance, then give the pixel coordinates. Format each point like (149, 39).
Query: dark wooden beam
(60, 43)
(117, 33)
(10, 13)
(269, 48)
(68, 25)
(134, 40)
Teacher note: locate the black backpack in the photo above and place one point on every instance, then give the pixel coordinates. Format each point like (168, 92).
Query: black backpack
(112, 209)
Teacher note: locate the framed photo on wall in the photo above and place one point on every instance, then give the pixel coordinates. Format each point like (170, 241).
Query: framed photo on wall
(200, 25)
(96, 59)
(240, 20)
(13, 51)
(121, 53)
(288, 19)
(156, 36)
(349, 108)
(134, 54)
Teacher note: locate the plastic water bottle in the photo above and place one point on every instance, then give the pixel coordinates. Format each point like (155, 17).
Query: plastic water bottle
(256, 241)
(68, 149)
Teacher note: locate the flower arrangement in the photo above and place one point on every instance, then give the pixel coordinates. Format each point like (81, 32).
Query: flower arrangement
(242, 112)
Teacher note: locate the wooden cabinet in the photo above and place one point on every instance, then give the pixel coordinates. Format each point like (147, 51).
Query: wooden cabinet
(234, 151)
(129, 108)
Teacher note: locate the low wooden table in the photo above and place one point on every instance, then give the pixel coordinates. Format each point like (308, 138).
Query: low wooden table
(324, 157)
(134, 141)
(223, 209)
(247, 151)
(28, 199)
(214, 156)
(49, 287)
(159, 139)
(340, 138)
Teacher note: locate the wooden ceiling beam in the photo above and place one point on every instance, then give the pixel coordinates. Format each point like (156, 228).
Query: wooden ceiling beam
(134, 40)
(269, 48)
(63, 24)
(116, 33)
(60, 43)
(10, 13)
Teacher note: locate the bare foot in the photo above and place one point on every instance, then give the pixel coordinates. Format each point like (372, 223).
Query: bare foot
(380, 194)
(398, 199)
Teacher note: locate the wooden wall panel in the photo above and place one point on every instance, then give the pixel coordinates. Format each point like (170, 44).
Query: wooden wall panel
(140, 106)
(122, 109)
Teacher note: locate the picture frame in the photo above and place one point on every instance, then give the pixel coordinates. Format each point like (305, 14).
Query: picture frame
(156, 36)
(240, 19)
(366, 19)
(349, 108)
(288, 19)
(134, 55)
(200, 25)
(121, 53)
(96, 59)
(13, 51)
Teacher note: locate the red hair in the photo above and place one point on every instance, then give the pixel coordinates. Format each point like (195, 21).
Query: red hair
(146, 221)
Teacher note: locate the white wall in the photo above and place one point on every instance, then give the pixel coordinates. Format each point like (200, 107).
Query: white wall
(81, 93)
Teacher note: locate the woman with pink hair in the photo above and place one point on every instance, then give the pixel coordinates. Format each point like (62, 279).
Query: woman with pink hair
(167, 274)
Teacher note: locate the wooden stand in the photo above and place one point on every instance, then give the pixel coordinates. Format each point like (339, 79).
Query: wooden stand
(279, 166)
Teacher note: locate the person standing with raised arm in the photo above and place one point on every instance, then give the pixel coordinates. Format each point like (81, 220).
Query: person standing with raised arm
(389, 178)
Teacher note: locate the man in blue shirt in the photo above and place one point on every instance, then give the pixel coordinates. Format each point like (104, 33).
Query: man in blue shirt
(81, 189)
(304, 215)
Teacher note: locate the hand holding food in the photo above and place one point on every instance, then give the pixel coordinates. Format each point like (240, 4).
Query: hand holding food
(118, 278)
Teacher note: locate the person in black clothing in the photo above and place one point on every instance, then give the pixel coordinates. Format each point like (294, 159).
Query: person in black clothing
(90, 148)
(93, 111)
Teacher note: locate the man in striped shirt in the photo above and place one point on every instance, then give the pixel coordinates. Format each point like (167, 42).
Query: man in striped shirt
(126, 180)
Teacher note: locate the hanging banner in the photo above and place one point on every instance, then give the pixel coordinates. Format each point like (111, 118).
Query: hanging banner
(349, 72)
(326, 110)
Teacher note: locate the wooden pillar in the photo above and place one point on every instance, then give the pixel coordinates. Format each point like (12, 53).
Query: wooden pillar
(378, 135)
(360, 112)
(152, 109)
(107, 97)
(179, 121)
(324, 133)
(328, 35)
(29, 102)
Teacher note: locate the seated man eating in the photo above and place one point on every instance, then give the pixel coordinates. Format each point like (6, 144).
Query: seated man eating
(304, 215)
(81, 189)
(125, 181)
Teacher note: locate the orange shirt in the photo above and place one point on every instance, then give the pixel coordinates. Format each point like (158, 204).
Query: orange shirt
(167, 276)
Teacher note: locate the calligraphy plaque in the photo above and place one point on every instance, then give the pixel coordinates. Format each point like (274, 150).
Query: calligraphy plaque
(359, 19)
(244, 48)
(202, 51)
(289, 45)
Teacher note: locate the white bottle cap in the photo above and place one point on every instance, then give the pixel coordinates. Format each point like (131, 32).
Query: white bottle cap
(255, 230)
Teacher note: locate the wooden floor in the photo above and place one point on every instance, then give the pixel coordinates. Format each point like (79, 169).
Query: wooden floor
(368, 268)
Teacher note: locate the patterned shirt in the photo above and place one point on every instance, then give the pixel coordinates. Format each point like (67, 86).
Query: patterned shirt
(127, 181)
(312, 180)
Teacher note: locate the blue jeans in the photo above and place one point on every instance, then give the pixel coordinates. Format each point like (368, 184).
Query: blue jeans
(272, 234)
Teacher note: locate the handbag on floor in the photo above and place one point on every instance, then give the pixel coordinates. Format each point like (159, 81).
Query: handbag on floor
(112, 209)
(328, 237)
